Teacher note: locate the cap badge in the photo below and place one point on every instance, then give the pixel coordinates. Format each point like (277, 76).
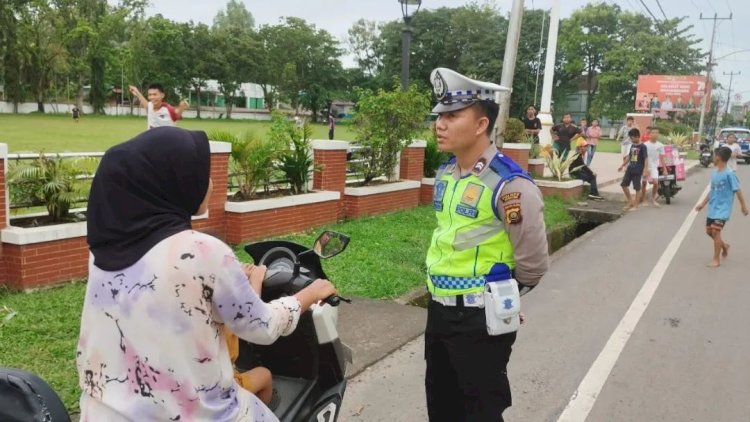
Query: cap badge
(438, 84)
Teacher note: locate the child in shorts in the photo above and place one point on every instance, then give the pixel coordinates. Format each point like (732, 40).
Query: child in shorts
(720, 200)
(635, 162)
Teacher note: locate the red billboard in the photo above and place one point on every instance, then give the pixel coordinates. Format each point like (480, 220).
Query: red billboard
(665, 93)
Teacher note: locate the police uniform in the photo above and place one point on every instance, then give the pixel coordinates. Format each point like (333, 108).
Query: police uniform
(490, 230)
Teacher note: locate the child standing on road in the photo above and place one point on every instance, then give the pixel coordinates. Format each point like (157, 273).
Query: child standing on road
(636, 169)
(720, 200)
(655, 161)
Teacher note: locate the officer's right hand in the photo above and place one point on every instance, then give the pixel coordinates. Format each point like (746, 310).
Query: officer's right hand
(133, 90)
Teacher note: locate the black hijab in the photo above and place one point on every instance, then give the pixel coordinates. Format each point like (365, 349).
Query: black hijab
(145, 190)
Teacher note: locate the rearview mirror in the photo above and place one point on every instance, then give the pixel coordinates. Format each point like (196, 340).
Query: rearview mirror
(330, 244)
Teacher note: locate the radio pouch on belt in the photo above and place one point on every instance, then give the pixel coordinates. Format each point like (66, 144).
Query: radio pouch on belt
(502, 306)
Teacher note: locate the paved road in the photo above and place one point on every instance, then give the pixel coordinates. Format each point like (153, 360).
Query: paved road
(629, 322)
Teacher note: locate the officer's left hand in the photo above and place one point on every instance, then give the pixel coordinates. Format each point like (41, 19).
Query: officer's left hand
(522, 317)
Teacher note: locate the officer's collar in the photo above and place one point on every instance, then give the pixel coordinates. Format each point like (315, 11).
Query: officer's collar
(480, 165)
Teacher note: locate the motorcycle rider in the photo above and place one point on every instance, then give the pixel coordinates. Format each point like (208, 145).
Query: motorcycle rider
(490, 230)
(159, 294)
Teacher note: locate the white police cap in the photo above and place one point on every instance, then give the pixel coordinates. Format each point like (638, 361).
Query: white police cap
(455, 91)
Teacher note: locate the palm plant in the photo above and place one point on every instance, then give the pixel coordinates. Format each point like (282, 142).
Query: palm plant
(52, 181)
(680, 140)
(252, 161)
(296, 162)
(557, 164)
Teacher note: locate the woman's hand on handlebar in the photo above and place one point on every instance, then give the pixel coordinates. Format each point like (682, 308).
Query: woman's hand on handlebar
(315, 292)
(256, 274)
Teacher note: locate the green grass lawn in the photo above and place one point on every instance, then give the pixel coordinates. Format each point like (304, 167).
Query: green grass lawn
(611, 145)
(385, 259)
(59, 133)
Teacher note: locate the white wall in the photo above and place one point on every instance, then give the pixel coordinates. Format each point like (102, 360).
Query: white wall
(206, 112)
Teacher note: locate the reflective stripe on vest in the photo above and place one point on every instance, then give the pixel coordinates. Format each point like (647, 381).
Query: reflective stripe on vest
(470, 245)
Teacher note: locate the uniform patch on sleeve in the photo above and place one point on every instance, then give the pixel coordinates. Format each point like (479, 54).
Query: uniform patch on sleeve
(513, 214)
(510, 196)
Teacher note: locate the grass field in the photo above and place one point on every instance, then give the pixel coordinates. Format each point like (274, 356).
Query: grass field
(385, 259)
(59, 133)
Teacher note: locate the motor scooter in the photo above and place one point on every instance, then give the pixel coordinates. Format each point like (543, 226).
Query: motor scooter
(707, 152)
(668, 186)
(308, 366)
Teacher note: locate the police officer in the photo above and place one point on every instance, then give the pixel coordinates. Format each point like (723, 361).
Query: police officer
(490, 233)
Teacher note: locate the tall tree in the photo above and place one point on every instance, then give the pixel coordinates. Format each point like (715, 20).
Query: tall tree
(585, 39)
(43, 53)
(300, 63)
(12, 60)
(200, 56)
(643, 48)
(235, 19)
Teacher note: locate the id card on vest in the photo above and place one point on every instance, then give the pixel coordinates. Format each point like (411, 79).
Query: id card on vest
(502, 307)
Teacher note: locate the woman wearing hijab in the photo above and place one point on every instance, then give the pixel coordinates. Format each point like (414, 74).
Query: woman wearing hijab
(159, 294)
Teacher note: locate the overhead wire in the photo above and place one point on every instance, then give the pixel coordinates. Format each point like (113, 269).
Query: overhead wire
(649, 11)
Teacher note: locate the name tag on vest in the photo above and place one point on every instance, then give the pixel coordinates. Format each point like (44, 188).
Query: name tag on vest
(467, 211)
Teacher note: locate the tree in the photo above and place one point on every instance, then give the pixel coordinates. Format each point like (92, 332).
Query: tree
(235, 50)
(387, 121)
(200, 57)
(41, 51)
(363, 40)
(643, 48)
(298, 63)
(236, 19)
(585, 39)
(12, 61)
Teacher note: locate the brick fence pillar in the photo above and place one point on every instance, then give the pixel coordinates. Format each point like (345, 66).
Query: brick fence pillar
(412, 161)
(215, 221)
(330, 160)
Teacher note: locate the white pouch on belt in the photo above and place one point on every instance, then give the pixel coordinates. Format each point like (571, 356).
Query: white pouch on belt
(502, 307)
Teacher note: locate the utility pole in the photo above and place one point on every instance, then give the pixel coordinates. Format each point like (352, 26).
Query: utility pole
(539, 65)
(545, 112)
(729, 93)
(716, 18)
(509, 68)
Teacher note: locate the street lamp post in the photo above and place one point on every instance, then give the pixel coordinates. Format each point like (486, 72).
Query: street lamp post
(406, 44)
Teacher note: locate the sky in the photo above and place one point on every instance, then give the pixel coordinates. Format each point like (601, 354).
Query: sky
(337, 16)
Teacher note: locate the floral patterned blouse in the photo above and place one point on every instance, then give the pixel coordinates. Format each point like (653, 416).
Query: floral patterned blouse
(151, 346)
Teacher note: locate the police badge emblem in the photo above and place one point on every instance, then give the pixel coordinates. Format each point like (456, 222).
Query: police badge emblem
(438, 194)
(439, 87)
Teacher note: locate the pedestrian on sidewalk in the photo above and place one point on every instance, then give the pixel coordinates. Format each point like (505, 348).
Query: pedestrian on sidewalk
(531, 124)
(482, 198)
(563, 133)
(583, 172)
(655, 162)
(593, 135)
(624, 136)
(720, 200)
(635, 162)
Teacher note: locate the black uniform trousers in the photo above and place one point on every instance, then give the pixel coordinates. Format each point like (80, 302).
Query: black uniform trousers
(466, 378)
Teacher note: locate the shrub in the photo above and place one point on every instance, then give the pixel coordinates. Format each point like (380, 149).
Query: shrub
(556, 164)
(252, 160)
(433, 157)
(514, 131)
(51, 181)
(387, 121)
(295, 151)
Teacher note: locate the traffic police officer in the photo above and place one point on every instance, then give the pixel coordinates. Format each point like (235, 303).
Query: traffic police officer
(490, 232)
